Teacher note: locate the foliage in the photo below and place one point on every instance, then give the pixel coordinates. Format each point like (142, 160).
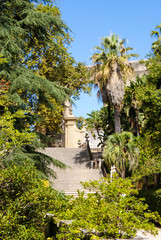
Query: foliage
(80, 122)
(11, 138)
(43, 163)
(132, 105)
(53, 62)
(25, 200)
(156, 46)
(107, 117)
(152, 198)
(36, 42)
(154, 68)
(113, 211)
(143, 107)
(111, 70)
(41, 72)
(108, 57)
(50, 118)
(149, 97)
(121, 150)
(26, 31)
(149, 159)
(102, 122)
(18, 144)
(94, 122)
(26, 26)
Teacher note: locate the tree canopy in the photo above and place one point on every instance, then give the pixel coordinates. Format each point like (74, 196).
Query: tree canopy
(22, 25)
(111, 71)
(37, 75)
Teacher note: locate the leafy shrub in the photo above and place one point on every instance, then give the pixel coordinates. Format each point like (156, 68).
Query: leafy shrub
(152, 198)
(112, 211)
(24, 201)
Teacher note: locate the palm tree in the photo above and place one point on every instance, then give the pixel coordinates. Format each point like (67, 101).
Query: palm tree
(156, 46)
(94, 122)
(121, 150)
(111, 71)
(132, 105)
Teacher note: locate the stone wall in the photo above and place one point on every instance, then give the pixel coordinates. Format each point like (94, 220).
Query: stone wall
(73, 136)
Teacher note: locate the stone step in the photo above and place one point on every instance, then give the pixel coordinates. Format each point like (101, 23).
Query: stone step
(73, 157)
(70, 180)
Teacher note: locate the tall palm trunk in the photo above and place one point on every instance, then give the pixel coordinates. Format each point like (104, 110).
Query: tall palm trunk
(134, 121)
(123, 173)
(111, 71)
(109, 113)
(117, 119)
(115, 91)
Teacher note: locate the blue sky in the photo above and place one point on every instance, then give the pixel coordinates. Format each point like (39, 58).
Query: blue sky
(90, 20)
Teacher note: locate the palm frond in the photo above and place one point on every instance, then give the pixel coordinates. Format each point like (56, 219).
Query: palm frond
(121, 150)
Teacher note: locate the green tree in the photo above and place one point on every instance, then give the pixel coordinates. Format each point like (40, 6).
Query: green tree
(111, 71)
(149, 164)
(101, 123)
(41, 72)
(22, 25)
(36, 40)
(80, 122)
(49, 118)
(133, 105)
(121, 150)
(149, 105)
(18, 146)
(11, 138)
(143, 107)
(112, 211)
(18, 140)
(94, 122)
(156, 46)
(53, 61)
(25, 199)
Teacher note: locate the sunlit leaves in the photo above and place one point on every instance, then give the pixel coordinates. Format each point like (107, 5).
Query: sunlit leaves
(112, 211)
(25, 199)
(10, 137)
(121, 150)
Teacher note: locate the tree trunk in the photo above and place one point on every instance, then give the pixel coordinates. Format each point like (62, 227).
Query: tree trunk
(137, 124)
(109, 111)
(157, 179)
(145, 182)
(89, 149)
(117, 119)
(99, 136)
(123, 173)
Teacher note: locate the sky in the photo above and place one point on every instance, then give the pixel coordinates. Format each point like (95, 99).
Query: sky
(90, 20)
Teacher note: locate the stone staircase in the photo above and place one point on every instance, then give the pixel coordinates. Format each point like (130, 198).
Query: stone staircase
(79, 169)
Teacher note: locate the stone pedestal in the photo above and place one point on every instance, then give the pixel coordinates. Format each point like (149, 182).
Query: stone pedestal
(74, 137)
